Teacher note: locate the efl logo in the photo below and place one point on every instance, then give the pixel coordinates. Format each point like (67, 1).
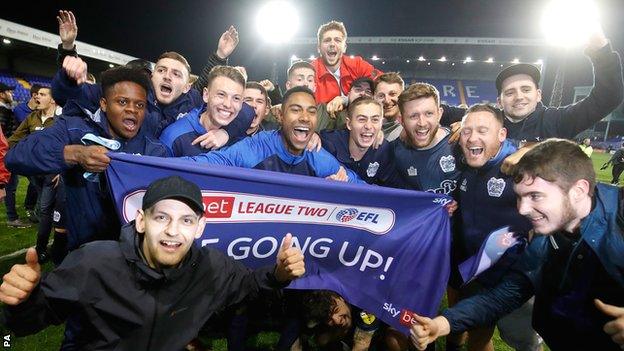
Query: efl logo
(218, 206)
(407, 318)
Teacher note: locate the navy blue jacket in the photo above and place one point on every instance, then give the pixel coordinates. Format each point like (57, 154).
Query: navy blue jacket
(435, 170)
(266, 151)
(568, 121)
(488, 202)
(159, 116)
(564, 312)
(90, 211)
(375, 167)
(179, 135)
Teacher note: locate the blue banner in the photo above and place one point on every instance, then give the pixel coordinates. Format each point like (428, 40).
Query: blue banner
(385, 250)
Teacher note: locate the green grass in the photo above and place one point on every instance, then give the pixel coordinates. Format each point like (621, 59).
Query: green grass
(49, 339)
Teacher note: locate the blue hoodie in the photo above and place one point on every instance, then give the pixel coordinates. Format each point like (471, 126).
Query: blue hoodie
(90, 211)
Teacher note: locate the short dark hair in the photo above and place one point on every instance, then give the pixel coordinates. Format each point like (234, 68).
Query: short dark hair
(123, 74)
(557, 161)
(418, 91)
(319, 305)
(299, 64)
(258, 86)
(225, 71)
(291, 91)
(487, 108)
(34, 89)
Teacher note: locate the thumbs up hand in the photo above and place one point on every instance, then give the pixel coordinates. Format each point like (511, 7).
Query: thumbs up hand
(21, 280)
(289, 261)
(615, 328)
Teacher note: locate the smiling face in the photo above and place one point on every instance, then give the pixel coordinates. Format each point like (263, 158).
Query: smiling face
(298, 120)
(481, 137)
(124, 104)
(519, 96)
(224, 99)
(170, 79)
(545, 204)
(421, 120)
(387, 94)
(362, 89)
(364, 123)
(169, 229)
(331, 48)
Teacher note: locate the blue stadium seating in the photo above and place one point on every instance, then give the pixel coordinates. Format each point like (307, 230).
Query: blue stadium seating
(22, 91)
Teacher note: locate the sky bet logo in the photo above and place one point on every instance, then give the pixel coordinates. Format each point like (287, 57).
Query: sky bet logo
(218, 206)
(348, 214)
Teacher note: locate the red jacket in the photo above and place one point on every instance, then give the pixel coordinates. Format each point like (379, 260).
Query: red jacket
(4, 147)
(350, 69)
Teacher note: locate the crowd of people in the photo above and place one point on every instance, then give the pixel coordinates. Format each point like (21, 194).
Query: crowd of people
(340, 118)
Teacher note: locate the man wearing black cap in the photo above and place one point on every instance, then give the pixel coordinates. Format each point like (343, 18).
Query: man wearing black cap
(7, 119)
(520, 97)
(152, 290)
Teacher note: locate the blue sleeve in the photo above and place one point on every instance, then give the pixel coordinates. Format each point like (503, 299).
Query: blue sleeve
(246, 153)
(41, 152)
(64, 89)
(324, 165)
(486, 308)
(237, 129)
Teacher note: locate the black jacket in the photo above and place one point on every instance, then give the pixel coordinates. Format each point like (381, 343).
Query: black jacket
(126, 305)
(568, 121)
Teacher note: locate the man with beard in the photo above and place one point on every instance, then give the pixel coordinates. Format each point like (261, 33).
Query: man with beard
(488, 203)
(423, 156)
(574, 264)
(284, 150)
(335, 71)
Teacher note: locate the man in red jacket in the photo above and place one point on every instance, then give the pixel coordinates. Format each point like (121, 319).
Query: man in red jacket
(335, 71)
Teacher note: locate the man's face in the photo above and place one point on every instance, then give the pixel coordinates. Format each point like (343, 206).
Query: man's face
(341, 315)
(298, 119)
(545, 204)
(169, 228)
(421, 120)
(364, 124)
(362, 89)
(301, 77)
(170, 80)
(44, 99)
(332, 47)
(255, 98)
(6, 96)
(388, 95)
(519, 96)
(124, 105)
(224, 97)
(481, 137)
(586, 142)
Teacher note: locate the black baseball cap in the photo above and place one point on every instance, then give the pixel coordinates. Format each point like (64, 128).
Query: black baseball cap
(521, 68)
(174, 187)
(4, 87)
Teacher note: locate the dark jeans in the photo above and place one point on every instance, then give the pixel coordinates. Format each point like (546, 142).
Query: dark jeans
(615, 172)
(47, 199)
(9, 200)
(30, 201)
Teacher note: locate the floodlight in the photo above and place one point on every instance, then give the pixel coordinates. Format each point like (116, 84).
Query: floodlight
(374, 58)
(294, 57)
(6, 41)
(515, 61)
(490, 60)
(468, 59)
(539, 62)
(111, 65)
(312, 57)
(421, 58)
(277, 21)
(428, 63)
(352, 56)
(442, 59)
(408, 61)
(569, 23)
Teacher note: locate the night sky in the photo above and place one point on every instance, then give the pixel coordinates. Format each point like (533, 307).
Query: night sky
(147, 28)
